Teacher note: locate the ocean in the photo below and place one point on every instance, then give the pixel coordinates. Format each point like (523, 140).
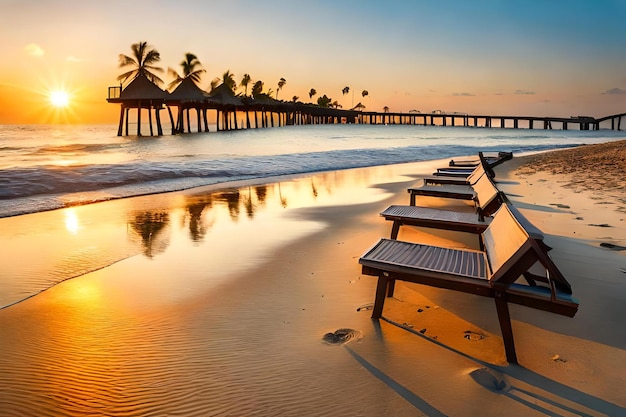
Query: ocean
(45, 167)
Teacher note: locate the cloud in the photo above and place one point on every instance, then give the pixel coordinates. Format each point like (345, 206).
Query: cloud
(615, 91)
(34, 50)
(72, 58)
(524, 92)
(463, 94)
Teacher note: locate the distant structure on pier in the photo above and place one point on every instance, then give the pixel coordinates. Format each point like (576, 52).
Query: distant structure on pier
(188, 98)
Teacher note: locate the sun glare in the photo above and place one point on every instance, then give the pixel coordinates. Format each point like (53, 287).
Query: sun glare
(59, 98)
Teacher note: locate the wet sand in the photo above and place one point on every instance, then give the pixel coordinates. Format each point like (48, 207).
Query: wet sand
(221, 302)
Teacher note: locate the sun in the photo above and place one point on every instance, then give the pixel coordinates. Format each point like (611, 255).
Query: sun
(59, 98)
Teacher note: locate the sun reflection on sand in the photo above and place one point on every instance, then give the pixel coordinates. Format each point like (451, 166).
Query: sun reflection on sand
(71, 221)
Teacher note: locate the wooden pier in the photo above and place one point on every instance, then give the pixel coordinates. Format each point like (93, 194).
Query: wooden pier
(142, 94)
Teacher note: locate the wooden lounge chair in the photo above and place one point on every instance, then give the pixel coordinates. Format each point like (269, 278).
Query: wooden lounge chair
(499, 158)
(457, 192)
(452, 172)
(509, 253)
(460, 172)
(487, 200)
(471, 179)
(483, 168)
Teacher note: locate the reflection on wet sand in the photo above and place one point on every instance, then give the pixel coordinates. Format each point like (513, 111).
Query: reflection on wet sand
(149, 225)
(78, 240)
(197, 224)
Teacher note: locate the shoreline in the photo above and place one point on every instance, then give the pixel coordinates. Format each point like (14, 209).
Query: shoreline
(151, 330)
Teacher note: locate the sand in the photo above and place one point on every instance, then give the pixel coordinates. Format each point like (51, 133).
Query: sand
(222, 302)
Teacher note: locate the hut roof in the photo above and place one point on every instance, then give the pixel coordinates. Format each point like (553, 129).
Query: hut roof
(265, 100)
(187, 90)
(223, 95)
(141, 88)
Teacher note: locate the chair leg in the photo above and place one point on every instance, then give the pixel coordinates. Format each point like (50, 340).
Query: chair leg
(395, 229)
(381, 290)
(391, 286)
(504, 318)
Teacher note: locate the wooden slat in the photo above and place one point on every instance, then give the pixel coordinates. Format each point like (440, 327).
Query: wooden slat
(465, 263)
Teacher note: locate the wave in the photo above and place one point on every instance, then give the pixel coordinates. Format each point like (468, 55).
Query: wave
(31, 189)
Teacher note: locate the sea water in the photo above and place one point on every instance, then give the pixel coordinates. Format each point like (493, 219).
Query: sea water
(44, 167)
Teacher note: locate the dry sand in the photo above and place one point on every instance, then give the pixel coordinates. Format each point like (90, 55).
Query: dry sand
(217, 303)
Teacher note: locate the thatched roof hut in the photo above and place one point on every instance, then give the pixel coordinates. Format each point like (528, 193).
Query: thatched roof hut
(140, 88)
(187, 91)
(222, 95)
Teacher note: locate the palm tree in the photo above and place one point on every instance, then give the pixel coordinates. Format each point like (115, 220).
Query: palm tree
(345, 91)
(281, 84)
(336, 104)
(365, 93)
(244, 83)
(324, 101)
(295, 98)
(142, 61)
(312, 92)
(228, 79)
(192, 68)
(386, 109)
(214, 83)
(257, 89)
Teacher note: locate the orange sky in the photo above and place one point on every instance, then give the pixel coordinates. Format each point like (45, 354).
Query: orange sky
(513, 57)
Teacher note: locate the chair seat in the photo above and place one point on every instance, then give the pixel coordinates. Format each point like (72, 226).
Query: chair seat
(462, 192)
(428, 215)
(410, 256)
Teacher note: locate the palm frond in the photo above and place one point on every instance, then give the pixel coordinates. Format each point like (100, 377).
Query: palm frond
(126, 60)
(126, 75)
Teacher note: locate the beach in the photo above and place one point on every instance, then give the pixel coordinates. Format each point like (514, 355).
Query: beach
(218, 301)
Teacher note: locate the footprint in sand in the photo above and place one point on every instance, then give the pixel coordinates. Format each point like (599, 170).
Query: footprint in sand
(342, 336)
(490, 379)
(473, 336)
(612, 246)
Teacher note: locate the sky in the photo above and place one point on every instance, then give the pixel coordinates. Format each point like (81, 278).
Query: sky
(498, 57)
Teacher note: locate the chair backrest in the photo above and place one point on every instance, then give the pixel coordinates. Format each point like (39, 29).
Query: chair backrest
(505, 242)
(476, 174)
(532, 230)
(486, 165)
(488, 197)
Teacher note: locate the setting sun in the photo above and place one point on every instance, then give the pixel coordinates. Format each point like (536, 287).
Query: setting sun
(59, 98)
